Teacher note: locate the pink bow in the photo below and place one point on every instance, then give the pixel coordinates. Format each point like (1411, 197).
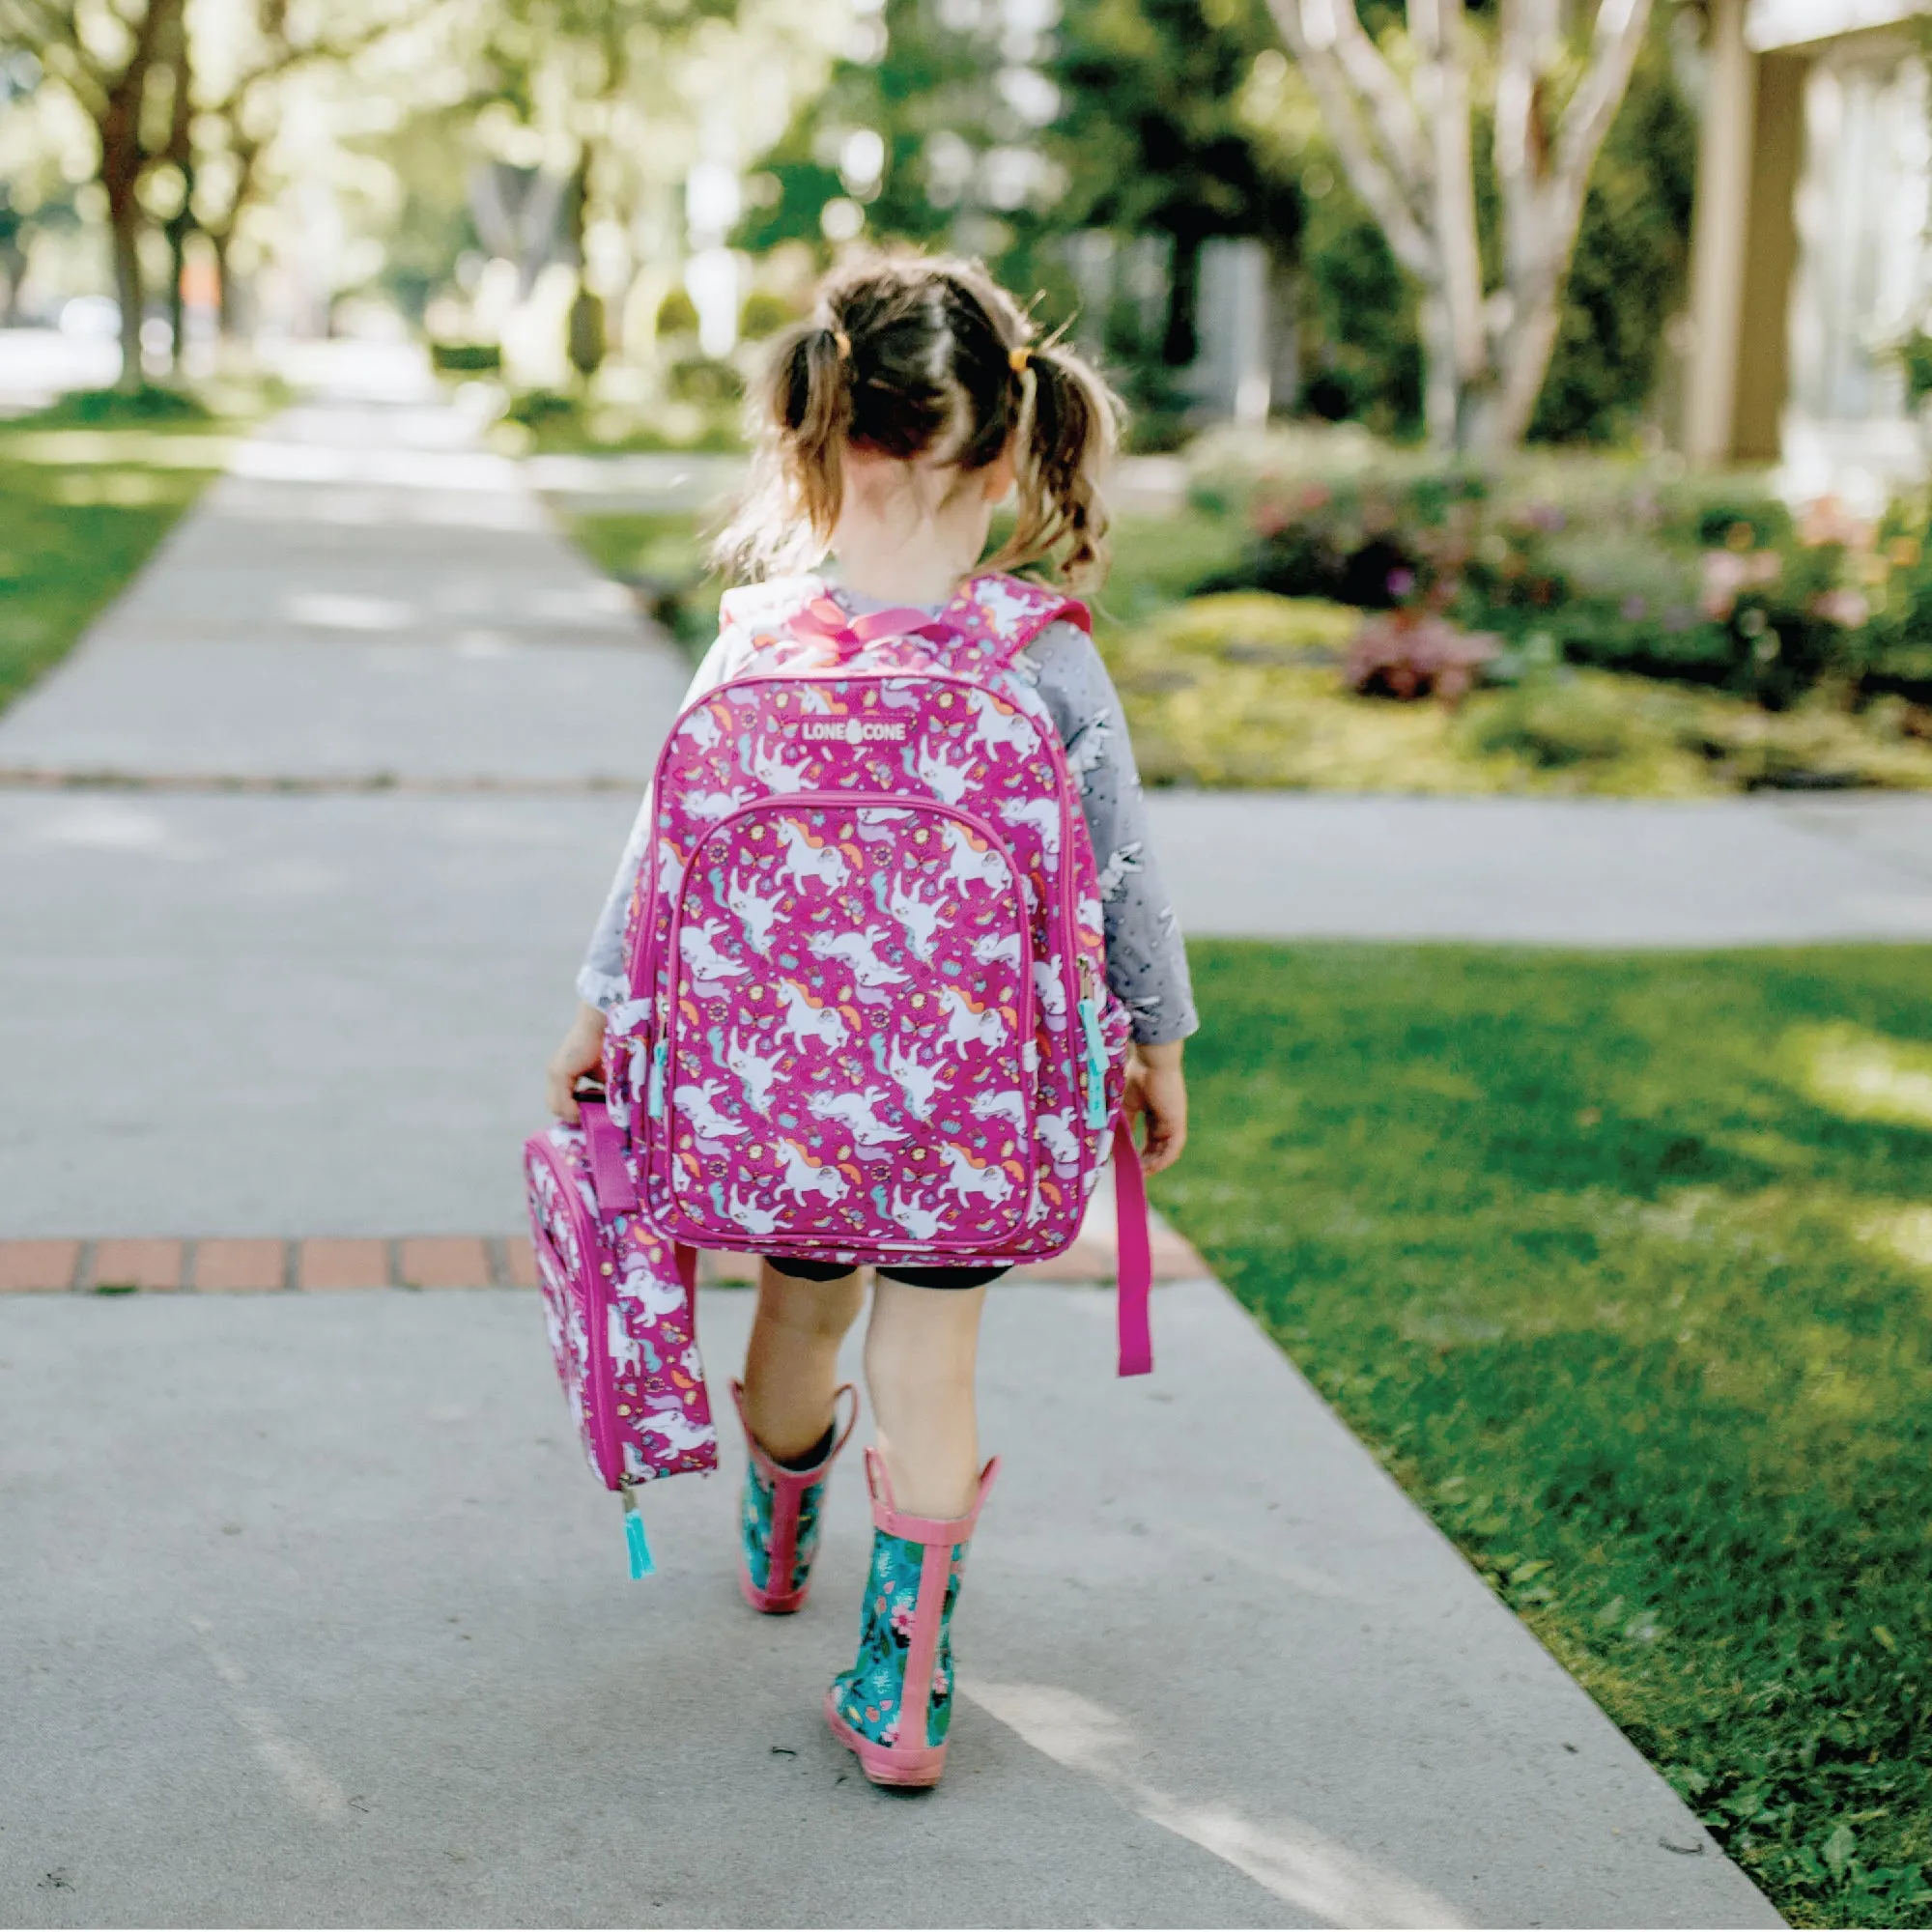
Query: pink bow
(826, 619)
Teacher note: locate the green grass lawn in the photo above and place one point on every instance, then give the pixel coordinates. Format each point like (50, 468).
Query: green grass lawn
(1623, 1264)
(87, 490)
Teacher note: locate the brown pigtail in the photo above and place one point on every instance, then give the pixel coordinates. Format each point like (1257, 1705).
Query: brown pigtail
(1069, 427)
(803, 412)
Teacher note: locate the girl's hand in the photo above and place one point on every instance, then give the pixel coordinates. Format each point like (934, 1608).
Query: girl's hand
(1157, 1088)
(581, 1052)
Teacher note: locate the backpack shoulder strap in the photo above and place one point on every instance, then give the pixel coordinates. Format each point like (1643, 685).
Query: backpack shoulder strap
(767, 608)
(1006, 613)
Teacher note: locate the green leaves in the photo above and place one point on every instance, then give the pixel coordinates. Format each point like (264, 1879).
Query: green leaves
(1629, 1308)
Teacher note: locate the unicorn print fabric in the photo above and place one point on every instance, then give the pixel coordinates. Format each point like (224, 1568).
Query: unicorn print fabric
(865, 1013)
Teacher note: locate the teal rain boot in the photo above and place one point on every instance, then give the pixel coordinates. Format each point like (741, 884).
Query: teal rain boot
(779, 1523)
(895, 1705)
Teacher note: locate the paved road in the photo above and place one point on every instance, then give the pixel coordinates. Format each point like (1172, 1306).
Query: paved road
(321, 1615)
(347, 1641)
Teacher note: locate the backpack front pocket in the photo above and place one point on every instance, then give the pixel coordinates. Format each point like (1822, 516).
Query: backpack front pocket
(843, 1055)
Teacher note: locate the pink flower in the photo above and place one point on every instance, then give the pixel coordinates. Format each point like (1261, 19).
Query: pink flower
(1846, 607)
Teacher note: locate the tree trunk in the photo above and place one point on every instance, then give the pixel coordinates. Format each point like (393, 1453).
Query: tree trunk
(123, 217)
(228, 316)
(178, 230)
(1181, 341)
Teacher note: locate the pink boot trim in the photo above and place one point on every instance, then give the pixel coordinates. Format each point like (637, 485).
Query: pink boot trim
(906, 1764)
(913, 1764)
(788, 1487)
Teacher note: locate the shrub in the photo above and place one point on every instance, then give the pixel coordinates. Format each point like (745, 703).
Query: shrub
(466, 358)
(1408, 654)
(115, 409)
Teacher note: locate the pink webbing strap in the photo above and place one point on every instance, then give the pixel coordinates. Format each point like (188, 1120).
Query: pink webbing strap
(617, 1191)
(1134, 1258)
(686, 1259)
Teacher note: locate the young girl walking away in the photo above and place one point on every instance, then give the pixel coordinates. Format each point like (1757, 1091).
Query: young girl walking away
(891, 427)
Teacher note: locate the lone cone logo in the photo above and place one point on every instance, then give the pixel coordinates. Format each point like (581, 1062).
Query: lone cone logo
(854, 730)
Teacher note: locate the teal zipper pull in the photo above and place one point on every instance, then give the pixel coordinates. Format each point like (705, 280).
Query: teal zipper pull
(634, 1542)
(1096, 1064)
(656, 1093)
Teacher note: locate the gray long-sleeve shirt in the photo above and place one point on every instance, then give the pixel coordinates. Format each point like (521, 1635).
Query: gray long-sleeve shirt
(1147, 964)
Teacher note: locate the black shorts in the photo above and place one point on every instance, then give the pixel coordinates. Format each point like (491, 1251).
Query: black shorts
(913, 1277)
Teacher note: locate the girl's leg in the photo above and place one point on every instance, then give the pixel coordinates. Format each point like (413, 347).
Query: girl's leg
(921, 1349)
(791, 1366)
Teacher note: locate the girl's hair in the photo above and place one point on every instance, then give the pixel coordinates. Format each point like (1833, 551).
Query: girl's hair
(917, 357)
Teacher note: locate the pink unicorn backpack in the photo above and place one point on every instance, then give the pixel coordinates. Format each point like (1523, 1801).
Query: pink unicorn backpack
(620, 1306)
(868, 1018)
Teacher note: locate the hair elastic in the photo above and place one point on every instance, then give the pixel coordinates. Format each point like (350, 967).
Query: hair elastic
(1017, 358)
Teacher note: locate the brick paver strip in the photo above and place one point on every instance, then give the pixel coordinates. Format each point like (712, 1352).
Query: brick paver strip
(125, 1264)
(445, 1261)
(227, 1266)
(230, 1265)
(340, 1263)
(37, 1265)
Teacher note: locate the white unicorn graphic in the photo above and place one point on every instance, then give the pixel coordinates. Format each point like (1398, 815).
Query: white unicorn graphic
(715, 805)
(918, 918)
(970, 1181)
(698, 1105)
(860, 951)
(999, 947)
(994, 727)
(805, 1019)
(626, 1356)
(1120, 865)
(750, 1216)
(671, 868)
(1089, 749)
(1007, 1106)
(698, 944)
(916, 1081)
(1051, 989)
(804, 860)
(753, 914)
(755, 1071)
(679, 1432)
(855, 1111)
(967, 1025)
(1088, 913)
(657, 1296)
(1043, 815)
(948, 781)
(1057, 1131)
(772, 772)
(701, 728)
(965, 866)
(918, 1221)
(804, 1175)
(999, 950)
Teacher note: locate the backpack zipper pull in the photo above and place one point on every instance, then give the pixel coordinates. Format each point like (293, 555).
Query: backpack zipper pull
(656, 1102)
(1096, 1064)
(634, 1542)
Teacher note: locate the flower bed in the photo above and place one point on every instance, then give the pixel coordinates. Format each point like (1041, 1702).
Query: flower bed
(1695, 579)
(1248, 688)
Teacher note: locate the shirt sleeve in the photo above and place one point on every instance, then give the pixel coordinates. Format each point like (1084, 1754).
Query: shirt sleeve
(1146, 961)
(600, 979)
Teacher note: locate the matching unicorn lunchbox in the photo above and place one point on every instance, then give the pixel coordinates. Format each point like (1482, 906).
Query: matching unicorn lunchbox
(619, 1304)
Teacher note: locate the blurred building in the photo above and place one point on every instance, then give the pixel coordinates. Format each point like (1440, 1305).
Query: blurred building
(1810, 260)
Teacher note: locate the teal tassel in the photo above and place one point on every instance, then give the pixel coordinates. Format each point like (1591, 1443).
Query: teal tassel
(635, 1540)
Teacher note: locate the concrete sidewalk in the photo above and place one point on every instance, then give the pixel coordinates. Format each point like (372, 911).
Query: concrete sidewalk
(321, 1619)
(318, 1620)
